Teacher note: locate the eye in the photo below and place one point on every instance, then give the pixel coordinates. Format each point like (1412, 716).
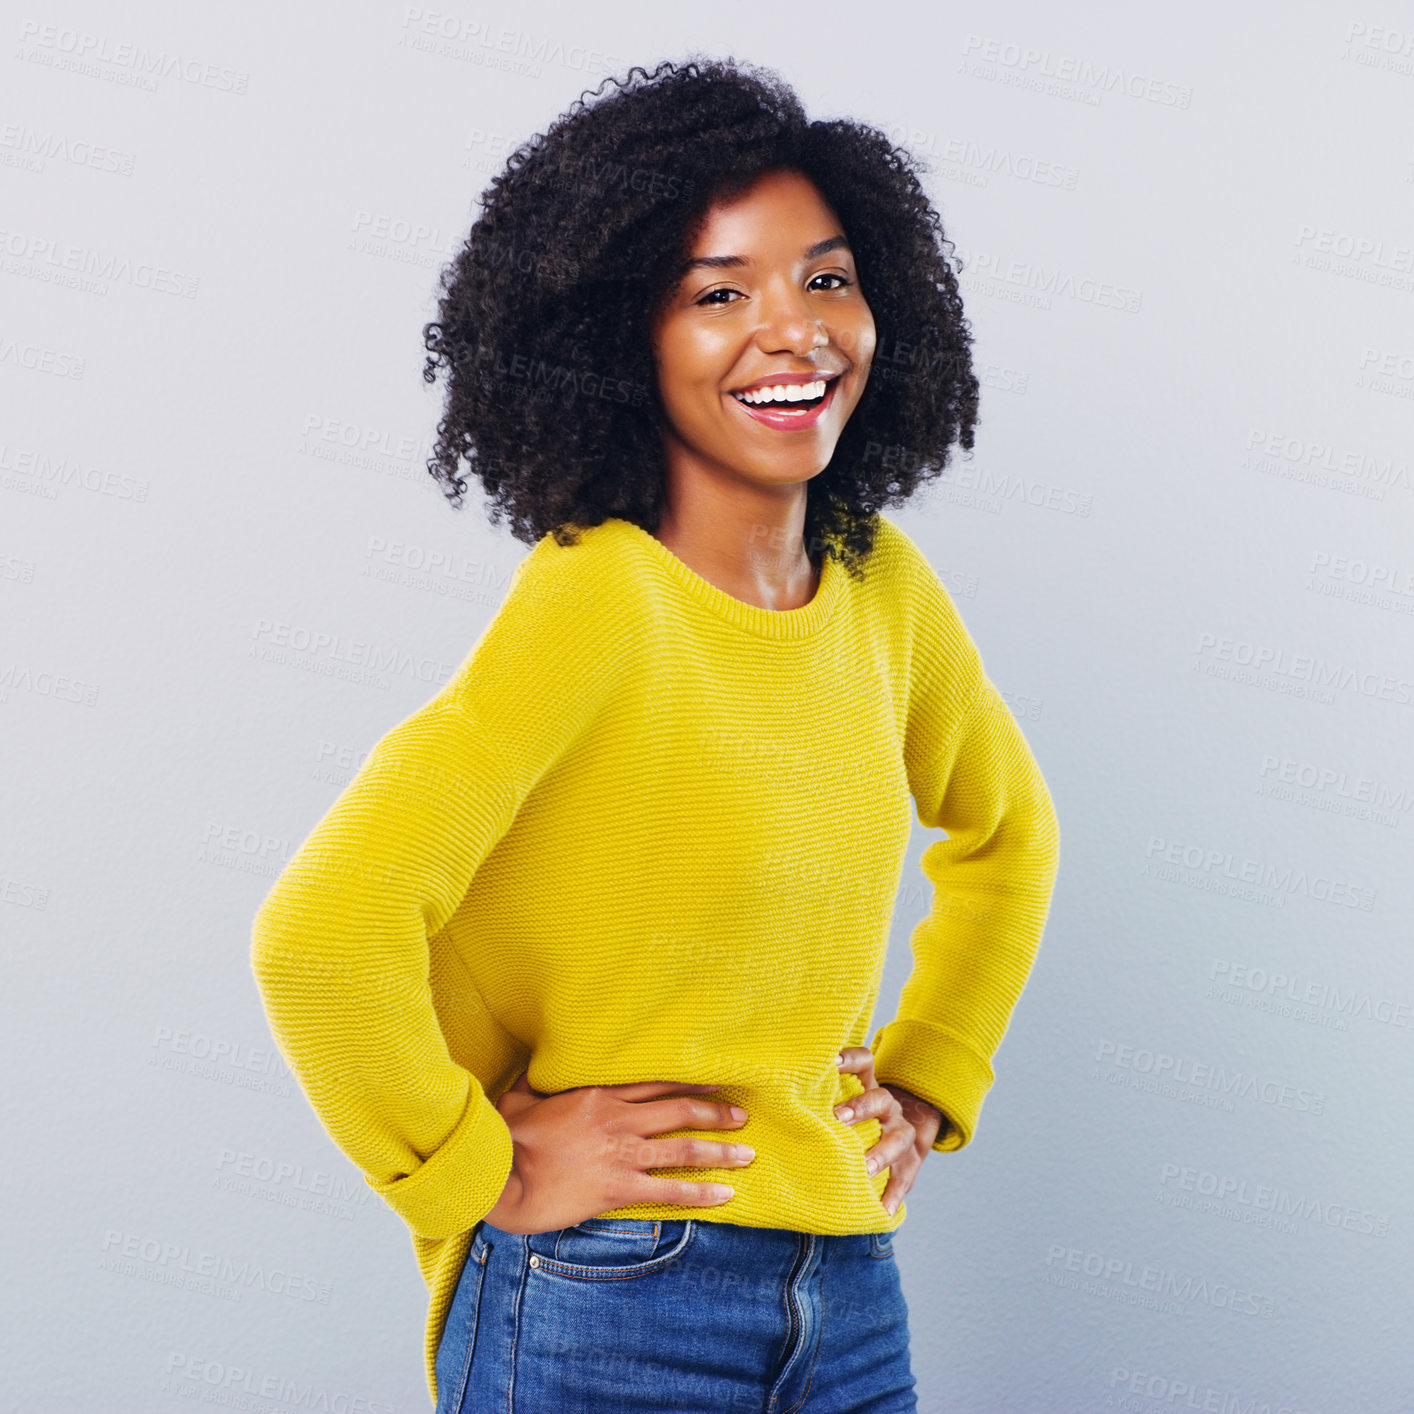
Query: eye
(710, 296)
(831, 275)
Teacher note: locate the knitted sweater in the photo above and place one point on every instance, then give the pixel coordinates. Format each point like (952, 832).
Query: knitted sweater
(648, 831)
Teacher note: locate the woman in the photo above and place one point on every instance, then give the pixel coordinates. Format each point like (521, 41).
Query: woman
(614, 903)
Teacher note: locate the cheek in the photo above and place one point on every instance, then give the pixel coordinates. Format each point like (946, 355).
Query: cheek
(683, 372)
(691, 400)
(865, 339)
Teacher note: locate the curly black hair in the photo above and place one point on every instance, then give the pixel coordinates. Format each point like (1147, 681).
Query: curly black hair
(544, 315)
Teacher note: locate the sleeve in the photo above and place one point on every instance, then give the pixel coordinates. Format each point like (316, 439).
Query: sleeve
(972, 773)
(339, 947)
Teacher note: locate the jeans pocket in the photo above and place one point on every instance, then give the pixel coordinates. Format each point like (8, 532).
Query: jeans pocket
(458, 1343)
(881, 1244)
(616, 1249)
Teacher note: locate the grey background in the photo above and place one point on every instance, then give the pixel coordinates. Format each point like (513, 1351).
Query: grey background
(1183, 546)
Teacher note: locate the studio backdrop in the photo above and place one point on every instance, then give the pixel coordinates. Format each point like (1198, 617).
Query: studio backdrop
(1184, 546)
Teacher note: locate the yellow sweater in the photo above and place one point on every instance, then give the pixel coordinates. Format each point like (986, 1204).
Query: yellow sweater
(648, 831)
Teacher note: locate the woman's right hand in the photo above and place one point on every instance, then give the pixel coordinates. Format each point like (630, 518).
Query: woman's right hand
(585, 1150)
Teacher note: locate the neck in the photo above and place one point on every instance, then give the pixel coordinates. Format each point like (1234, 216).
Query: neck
(747, 540)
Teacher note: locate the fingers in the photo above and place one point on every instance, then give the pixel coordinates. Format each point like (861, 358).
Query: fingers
(687, 1152)
(682, 1190)
(887, 1152)
(895, 1142)
(682, 1152)
(702, 1153)
(859, 1060)
(584, 1149)
(684, 1112)
(896, 1149)
(681, 1112)
(894, 1191)
(652, 1089)
(876, 1103)
(897, 1155)
(517, 1096)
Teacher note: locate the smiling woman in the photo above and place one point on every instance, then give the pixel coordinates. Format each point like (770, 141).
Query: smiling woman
(625, 883)
(762, 356)
(578, 249)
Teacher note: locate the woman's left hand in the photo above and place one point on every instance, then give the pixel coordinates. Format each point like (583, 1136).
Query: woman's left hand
(909, 1125)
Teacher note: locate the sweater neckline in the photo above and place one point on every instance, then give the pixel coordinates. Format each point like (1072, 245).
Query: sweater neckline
(769, 623)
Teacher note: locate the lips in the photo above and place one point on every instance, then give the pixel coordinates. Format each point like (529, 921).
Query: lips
(788, 417)
(787, 380)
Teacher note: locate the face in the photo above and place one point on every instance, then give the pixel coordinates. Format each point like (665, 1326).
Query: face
(771, 299)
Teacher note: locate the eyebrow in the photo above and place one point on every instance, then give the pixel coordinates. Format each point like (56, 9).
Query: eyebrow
(729, 262)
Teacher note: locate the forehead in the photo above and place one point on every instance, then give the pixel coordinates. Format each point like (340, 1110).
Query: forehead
(780, 208)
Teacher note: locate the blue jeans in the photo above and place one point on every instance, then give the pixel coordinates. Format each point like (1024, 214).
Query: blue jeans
(633, 1316)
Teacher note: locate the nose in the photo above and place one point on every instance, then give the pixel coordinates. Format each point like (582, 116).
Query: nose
(787, 323)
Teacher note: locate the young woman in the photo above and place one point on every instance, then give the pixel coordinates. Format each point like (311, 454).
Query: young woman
(579, 969)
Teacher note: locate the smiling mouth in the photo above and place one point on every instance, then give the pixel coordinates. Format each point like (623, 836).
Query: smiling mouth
(782, 414)
(786, 397)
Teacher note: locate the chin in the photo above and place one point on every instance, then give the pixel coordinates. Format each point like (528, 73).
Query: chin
(779, 475)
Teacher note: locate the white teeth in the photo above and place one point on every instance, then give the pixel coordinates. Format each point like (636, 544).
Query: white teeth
(784, 392)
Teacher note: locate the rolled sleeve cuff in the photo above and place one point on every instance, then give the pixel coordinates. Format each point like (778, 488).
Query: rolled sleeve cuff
(933, 1064)
(460, 1183)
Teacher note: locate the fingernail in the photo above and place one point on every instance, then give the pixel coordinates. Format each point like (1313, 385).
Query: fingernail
(871, 1164)
(845, 1113)
(839, 1059)
(738, 1112)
